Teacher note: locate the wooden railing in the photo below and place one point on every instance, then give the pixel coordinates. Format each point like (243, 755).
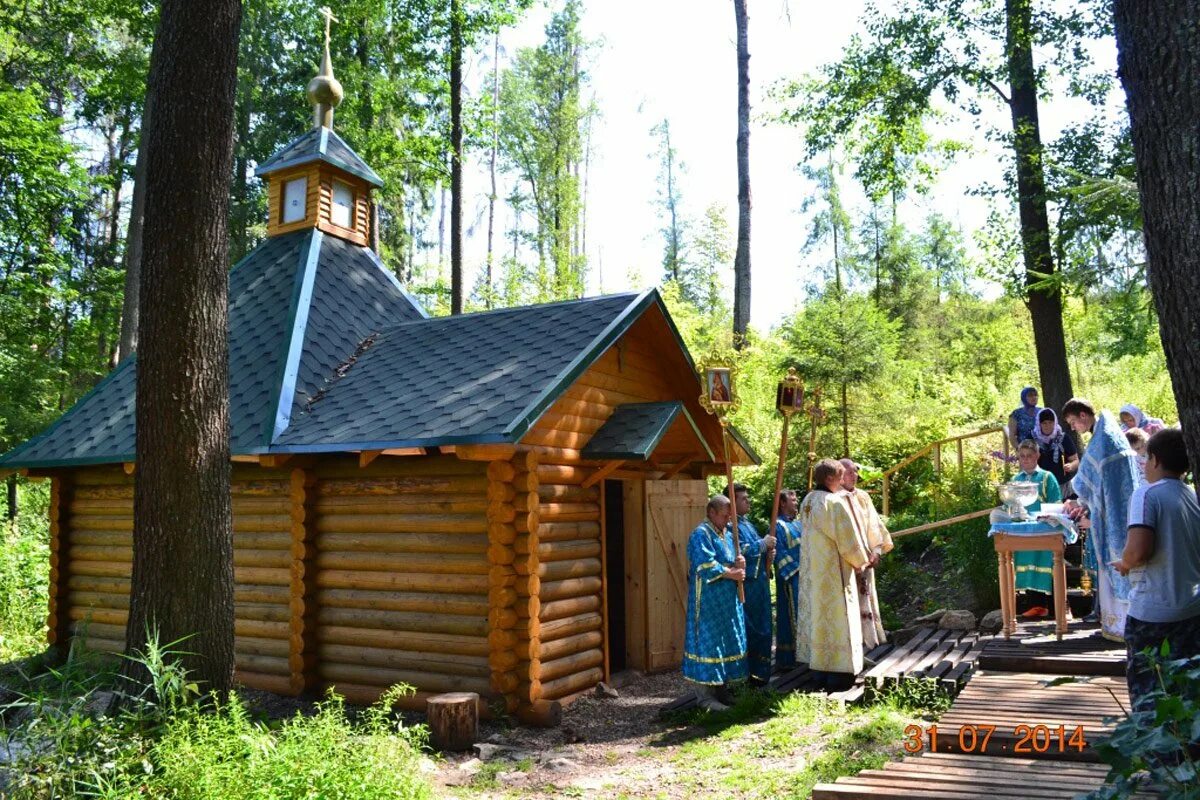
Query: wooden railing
(934, 449)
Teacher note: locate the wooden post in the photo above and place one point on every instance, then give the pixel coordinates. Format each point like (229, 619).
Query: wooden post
(453, 720)
(733, 520)
(887, 482)
(58, 623)
(960, 456)
(783, 443)
(302, 622)
(937, 459)
(604, 579)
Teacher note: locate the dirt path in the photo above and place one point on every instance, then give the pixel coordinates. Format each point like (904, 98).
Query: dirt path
(606, 747)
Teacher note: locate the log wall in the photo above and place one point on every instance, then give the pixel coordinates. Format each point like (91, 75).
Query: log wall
(358, 578)
(401, 586)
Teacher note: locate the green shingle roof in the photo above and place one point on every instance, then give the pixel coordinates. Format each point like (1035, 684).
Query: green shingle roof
(635, 429)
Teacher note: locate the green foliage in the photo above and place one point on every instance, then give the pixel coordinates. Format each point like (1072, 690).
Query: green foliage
(1161, 741)
(543, 115)
(69, 742)
(24, 575)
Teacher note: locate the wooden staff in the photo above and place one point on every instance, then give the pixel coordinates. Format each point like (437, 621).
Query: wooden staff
(737, 545)
(783, 443)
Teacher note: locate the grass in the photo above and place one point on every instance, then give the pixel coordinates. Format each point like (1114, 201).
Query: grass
(166, 744)
(769, 745)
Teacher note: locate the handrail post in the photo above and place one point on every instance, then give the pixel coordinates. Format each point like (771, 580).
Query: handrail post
(937, 459)
(960, 456)
(887, 482)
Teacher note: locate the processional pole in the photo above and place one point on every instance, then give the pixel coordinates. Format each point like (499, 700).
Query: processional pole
(789, 398)
(719, 397)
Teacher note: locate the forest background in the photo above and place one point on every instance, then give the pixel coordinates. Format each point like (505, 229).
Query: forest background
(914, 327)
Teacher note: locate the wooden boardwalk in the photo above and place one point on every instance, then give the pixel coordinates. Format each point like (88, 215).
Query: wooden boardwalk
(1025, 724)
(939, 776)
(1035, 648)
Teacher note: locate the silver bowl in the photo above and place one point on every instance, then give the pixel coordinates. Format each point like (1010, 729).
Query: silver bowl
(1017, 496)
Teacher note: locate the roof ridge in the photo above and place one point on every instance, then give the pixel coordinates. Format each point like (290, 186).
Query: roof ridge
(516, 309)
(284, 391)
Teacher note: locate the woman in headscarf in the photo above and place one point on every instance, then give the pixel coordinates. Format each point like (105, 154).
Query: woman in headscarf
(1022, 421)
(1134, 417)
(1058, 454)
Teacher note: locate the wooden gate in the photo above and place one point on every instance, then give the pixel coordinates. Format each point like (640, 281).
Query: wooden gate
(673, 509)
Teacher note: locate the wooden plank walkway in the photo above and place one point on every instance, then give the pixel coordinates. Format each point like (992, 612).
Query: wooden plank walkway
(940, 776)
(1035, 648)
(1031, 718)
(1014, 731)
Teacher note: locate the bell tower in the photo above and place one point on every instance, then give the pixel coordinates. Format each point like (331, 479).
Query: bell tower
(317, 180)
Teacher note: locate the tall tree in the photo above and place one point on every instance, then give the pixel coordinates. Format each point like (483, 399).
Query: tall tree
(1158, 57)
(831, 224)
(456, 156)
(494, 152)
(669, 199)
(890, 82)
(741, 261)
(542, 119)
(182, 583)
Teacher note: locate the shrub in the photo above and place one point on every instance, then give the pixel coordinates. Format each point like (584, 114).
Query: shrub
(1161, 743)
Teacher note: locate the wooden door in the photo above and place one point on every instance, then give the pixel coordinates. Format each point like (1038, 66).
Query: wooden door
(673, 510)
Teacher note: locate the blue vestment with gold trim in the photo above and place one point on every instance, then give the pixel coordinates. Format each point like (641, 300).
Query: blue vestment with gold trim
(757, 608)
(714, 649)
(787, 589)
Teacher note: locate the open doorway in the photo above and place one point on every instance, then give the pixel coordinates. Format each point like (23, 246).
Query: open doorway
(614, 555)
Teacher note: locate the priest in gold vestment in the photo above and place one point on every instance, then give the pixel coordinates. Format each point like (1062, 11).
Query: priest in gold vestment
(877, 541)
(829, 633)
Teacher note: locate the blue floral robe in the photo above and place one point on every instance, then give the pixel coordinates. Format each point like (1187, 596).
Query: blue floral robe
(757, 608)
(1107, 477)
(714, 649)
(787, 589)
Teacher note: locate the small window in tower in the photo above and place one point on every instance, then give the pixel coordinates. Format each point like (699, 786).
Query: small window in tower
(294, 193)
(342, 212)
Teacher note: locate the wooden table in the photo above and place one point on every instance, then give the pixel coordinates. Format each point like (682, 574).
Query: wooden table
(1006, 544)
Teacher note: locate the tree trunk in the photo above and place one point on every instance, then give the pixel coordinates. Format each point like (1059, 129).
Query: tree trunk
(133, 246)
(741, 261)
(1158, 61)
(13, 506)
(491, 228)
(845, 422)
(182, 583)
(1045, 304)
(456, 156)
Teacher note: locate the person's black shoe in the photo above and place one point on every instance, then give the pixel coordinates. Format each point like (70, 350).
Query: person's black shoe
(724, 695)
(757, 683)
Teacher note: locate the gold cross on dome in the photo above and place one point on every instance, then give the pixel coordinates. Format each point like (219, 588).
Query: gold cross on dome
(327, 13)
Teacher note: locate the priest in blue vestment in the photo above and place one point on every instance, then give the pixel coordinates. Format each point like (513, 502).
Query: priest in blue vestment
(715, 639)
(759, 552)
(787, 579)
(1107, 477)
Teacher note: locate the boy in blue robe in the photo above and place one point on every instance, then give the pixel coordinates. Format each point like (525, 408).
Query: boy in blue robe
(715, 639)
(787, 579)
(759, 552)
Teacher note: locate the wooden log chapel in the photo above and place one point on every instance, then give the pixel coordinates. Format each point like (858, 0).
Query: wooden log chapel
(495, 502)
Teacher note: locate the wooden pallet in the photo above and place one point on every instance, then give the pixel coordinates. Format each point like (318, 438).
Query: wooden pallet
(1009, 700)
(947, 657)
(946, 776)
(1035, 648)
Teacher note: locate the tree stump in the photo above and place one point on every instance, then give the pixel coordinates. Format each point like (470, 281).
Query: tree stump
(453, 720)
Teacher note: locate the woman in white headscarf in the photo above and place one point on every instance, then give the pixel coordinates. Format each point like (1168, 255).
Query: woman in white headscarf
(1134, 417)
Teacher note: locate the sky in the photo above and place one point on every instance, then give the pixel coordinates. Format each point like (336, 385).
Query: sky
(676, 59)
